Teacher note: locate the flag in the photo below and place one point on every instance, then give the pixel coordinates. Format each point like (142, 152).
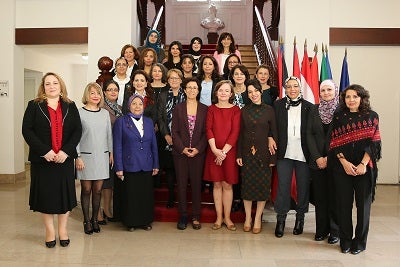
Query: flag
(282, 70)
(314, 76)
(306, 77)
(325, 72)
(344, 76)
(296, 64)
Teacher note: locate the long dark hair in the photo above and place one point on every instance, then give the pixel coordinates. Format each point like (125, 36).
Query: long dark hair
(226, 65)
(364, 107)
(220, 47)
(215, 73)
(170, 57)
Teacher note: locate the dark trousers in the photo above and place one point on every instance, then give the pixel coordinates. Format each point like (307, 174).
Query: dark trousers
(350, 188)
(189, 170)
(285, 168)
(325, 203)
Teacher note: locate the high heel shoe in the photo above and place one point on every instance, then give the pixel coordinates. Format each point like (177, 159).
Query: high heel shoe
(51, 244)
(246, 228)
(96, 227)
(87, 228)
(64, 243)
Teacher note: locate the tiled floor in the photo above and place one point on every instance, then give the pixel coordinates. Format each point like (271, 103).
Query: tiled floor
(22, 241)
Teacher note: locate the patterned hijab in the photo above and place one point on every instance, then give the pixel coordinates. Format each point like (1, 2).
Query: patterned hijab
(136, 117)
(293, 102)
(327, 108)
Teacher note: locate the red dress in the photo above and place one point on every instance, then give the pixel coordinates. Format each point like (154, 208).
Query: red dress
(223, 124)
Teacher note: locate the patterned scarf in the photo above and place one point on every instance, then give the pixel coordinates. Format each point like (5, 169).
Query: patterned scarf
(327, 108)
(114, 106)
(171, 103)
(293, 103)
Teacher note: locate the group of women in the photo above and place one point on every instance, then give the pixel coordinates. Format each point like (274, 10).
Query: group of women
(228, 132)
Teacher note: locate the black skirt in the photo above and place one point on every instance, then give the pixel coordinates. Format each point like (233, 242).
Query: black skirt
(138, 199)
(52, 187)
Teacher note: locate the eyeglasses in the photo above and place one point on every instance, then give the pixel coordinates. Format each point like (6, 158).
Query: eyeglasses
(233, 62)
(192, 88)
(174, 78)
(121, 65)
(112, 90)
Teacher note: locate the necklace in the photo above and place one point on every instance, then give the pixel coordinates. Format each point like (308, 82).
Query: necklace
(294, 117)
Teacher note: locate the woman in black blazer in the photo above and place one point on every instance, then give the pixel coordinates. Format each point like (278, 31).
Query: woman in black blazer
(292, 113)
(190, 143)
(321, 178)
(52, 128)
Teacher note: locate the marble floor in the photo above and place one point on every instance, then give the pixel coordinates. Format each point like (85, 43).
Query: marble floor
(22, 240)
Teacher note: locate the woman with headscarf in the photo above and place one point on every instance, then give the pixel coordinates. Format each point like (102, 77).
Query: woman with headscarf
(292, 114)
(136, 161)
(354, 149)
(321, 178)
(195, 50)
(153, 40)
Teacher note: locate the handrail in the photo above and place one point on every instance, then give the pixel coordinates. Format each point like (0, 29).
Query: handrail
(263, 46)
(157, 18)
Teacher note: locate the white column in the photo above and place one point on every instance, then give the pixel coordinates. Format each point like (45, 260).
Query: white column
(11, 106)
(111, 26)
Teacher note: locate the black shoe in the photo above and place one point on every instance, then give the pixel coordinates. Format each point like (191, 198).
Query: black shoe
(96, 227)
(333, 239)
(147, 227)
(320, 237)
(170, 205)
(64, 243)
(87, 227)
(298, 227)
(345, 250)
(110, 219)
(182, 224)
(102, 222)
(51, 244)
(280, 228)
(236, 205)
(356, 251)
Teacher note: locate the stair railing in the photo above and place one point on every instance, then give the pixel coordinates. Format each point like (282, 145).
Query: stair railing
(263, 47)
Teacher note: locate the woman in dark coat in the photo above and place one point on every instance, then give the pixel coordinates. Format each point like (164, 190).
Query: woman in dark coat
(257, 122)
(321, 178)
(190, 143)
(52, 129)
(292, 114)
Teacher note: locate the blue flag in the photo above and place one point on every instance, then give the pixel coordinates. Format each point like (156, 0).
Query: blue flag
(344, 76)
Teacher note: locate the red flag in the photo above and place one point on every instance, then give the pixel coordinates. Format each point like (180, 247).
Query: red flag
(314, 76)
(306, 79)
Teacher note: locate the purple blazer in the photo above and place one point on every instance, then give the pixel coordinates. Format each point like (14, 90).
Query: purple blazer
(133, 153)
(180, 129)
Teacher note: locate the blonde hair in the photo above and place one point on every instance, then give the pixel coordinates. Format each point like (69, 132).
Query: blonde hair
(86, 93)
(41, 93)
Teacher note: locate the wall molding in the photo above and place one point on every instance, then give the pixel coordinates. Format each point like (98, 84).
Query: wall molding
(12, 178)
(364, 36)
(42, 36)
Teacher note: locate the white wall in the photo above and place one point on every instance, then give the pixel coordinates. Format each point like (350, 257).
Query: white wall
(51, 13)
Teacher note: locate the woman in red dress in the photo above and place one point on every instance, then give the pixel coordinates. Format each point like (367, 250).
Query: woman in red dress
(222, 130)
